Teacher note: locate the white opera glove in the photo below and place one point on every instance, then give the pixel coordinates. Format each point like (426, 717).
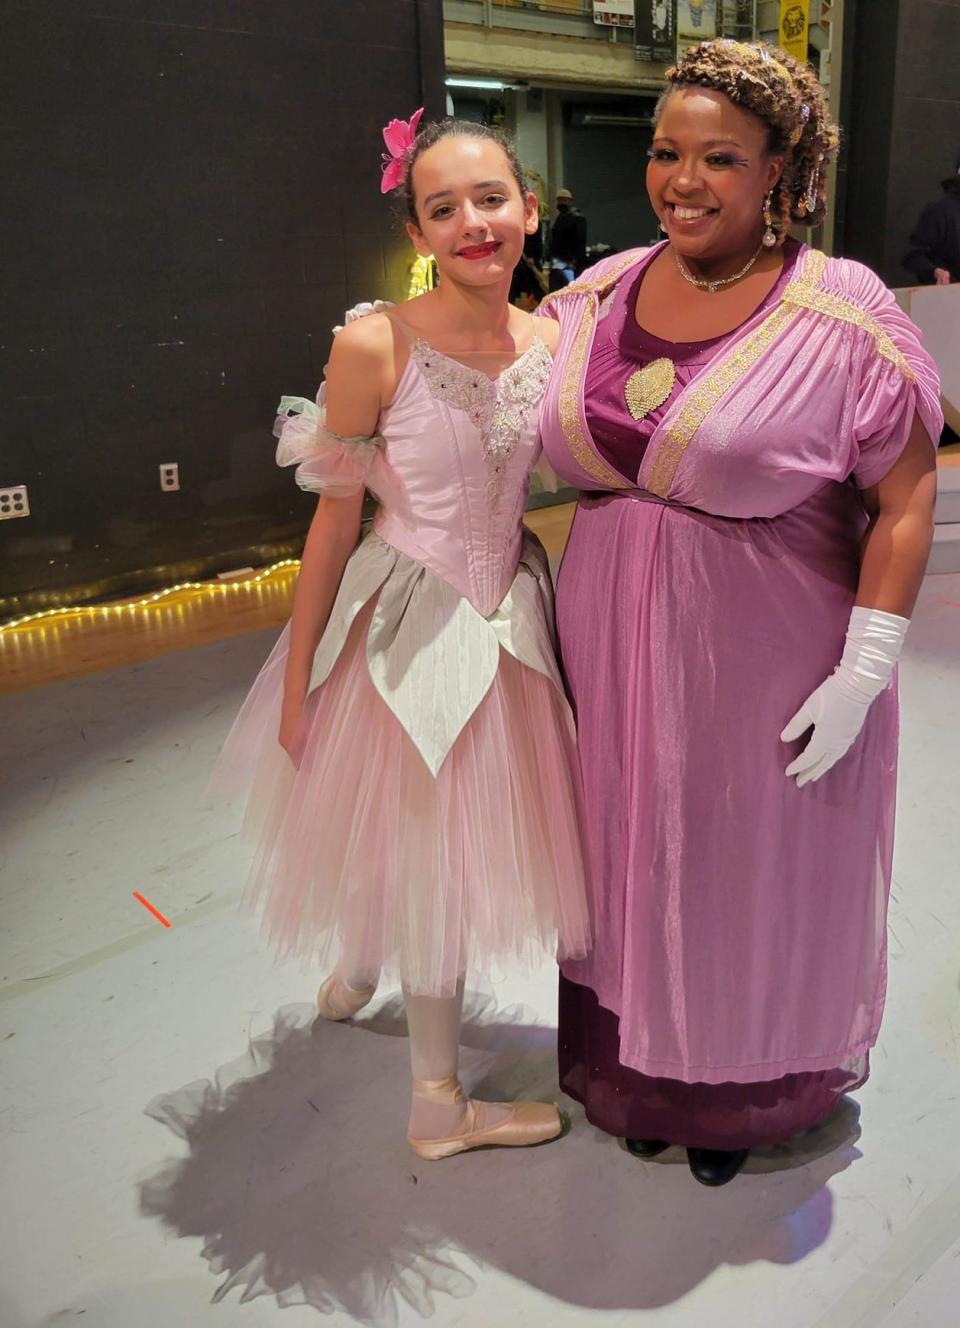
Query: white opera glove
(837, 710)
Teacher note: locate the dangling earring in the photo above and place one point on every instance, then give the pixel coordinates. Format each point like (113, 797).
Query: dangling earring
(769, 235)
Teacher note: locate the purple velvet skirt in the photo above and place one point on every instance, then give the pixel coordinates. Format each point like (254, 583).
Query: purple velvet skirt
(632, 1105)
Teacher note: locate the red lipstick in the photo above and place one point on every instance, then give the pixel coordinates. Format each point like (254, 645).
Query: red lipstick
(479, 250)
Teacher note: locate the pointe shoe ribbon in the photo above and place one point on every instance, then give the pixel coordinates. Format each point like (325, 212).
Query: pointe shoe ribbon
(335, 1000)
(526, 1123)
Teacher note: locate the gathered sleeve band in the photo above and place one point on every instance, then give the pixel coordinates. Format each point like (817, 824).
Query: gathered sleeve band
(326, 462)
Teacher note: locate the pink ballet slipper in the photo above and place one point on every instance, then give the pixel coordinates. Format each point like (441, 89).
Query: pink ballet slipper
(335, 1000)
(526, 1123)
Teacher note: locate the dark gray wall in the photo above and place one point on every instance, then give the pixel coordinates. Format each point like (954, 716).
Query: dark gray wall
(195, 201)
(606, 170)
(901, 122)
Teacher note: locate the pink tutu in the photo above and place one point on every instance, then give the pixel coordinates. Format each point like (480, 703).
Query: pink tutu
(430, 821)
(364, 856)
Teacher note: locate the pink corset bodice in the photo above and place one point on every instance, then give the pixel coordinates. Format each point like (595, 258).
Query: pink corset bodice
(453, 473)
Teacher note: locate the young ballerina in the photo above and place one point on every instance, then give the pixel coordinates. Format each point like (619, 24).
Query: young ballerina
(420, 809)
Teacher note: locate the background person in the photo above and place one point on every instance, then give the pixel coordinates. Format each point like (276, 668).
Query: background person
(934, 254)
(567, 244)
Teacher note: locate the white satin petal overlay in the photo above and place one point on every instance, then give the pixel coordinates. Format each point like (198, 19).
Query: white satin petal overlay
(524, 621)
(366, 572)
(431, 655)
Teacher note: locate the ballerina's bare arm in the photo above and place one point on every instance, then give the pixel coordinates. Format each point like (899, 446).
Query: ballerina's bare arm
(359, 381)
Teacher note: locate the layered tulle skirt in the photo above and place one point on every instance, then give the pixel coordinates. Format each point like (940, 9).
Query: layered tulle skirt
(366, 857)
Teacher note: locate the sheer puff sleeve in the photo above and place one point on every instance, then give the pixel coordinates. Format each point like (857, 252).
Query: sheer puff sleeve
(326, 462)
(897, 378)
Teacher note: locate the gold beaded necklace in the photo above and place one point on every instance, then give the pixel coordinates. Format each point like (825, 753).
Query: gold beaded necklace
(712, 286)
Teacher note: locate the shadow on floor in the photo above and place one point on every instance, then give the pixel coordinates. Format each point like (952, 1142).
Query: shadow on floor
(300, 1185)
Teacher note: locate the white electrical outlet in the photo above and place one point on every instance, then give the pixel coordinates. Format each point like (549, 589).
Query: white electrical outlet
(14, 502)
(169, 476)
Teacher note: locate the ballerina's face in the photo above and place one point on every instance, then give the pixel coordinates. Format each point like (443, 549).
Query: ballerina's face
(709, 173)
(473, 217)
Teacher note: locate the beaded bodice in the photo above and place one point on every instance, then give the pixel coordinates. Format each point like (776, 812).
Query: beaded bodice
(459, 447)
(499, 407)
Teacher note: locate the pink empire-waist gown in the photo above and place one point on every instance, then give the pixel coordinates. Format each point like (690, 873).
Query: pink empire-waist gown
(738, 973)
(418, 829)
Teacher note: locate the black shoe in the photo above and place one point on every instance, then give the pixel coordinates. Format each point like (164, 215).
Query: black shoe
(713, 1166)
(646, 1147)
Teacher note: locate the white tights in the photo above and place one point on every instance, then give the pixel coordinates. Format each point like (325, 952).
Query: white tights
(439, 1108)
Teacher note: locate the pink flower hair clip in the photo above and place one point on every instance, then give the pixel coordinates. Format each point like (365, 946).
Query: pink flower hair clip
(399, 137)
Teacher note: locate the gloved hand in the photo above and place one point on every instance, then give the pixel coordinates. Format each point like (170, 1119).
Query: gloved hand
(838, 708)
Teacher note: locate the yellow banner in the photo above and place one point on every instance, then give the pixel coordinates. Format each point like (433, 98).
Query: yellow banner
(794, 24)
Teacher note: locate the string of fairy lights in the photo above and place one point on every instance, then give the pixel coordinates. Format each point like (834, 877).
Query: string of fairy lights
(211, 588)
(422, 279)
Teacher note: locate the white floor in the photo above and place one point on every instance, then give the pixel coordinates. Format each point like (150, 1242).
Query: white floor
(171, 1125)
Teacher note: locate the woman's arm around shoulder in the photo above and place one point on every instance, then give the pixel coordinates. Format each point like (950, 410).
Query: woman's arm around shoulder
(608, 265)
(548, 330)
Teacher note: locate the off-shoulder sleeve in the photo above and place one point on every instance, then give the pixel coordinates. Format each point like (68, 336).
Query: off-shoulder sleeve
(897, 380)
(326, 462)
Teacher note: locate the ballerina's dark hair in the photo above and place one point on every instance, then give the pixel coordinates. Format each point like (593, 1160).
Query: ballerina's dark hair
(440, 129)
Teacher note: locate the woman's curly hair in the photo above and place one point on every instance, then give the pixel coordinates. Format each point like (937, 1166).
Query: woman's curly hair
(786, 95)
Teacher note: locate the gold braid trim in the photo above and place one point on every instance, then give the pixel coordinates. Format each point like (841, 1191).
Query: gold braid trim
(702, 400)
(802, 293)
(834, 306)
(699, 401)
(571, 419)
(598, 285)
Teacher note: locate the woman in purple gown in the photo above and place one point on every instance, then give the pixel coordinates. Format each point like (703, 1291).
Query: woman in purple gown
(753, 427)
